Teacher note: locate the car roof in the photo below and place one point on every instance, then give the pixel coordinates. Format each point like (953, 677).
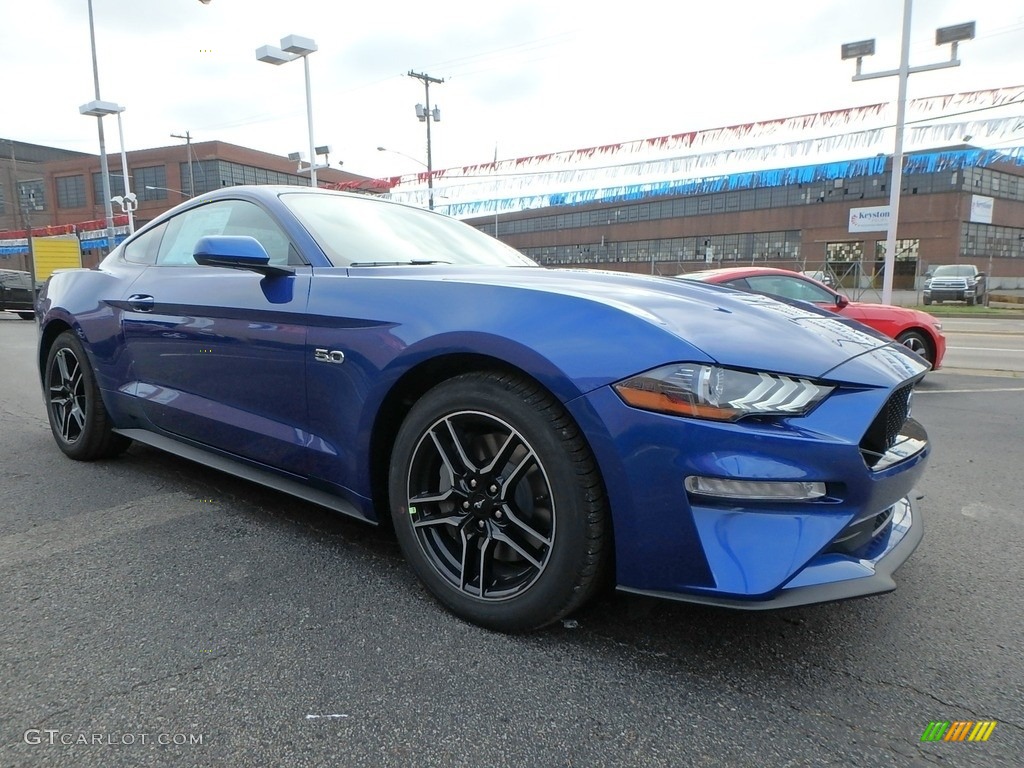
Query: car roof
(725, 272)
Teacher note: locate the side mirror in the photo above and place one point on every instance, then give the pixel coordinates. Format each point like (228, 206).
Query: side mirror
(236, 252)
(841, 301)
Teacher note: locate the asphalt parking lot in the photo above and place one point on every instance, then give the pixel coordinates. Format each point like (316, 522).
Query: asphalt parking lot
(158, 613)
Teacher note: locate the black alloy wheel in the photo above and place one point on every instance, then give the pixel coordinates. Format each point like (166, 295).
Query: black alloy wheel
(78, 418)
(497, 502)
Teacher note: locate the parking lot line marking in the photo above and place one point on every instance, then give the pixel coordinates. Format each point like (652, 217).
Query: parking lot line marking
(984, 349)
(919, 392)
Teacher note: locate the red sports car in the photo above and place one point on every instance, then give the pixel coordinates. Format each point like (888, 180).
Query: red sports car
(917, 330)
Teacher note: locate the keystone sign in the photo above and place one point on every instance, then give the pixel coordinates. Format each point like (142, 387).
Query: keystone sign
(875, 219)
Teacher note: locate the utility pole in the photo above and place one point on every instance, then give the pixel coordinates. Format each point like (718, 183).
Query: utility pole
(26, 220)
(425, 115)
(188, 144)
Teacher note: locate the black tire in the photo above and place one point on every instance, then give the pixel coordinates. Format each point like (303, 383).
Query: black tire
(927, 301)
(919, 343)
(970, 302)
(78, 419)
(497, 502)
(27, 315)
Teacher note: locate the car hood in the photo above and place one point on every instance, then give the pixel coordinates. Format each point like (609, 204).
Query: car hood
(870, 309)
(694, 320)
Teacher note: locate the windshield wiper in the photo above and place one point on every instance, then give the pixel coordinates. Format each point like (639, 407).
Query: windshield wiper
(414, 262)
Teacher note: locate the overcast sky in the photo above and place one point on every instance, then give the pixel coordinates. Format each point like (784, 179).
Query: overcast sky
(528, 77)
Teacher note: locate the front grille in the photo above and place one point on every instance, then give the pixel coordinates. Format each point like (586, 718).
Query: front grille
(885, 429)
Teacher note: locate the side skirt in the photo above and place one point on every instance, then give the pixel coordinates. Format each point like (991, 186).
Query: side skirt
(246, 471)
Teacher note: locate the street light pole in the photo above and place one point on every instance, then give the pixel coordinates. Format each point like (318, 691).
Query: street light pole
(309, 124)
(407, 157)
(167, 189)
(108, 210)
(425, 115)
(294, 47)
(858, 51)
(128, 197)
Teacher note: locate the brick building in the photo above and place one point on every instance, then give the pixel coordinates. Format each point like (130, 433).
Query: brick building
(66, 187)
(957, 205)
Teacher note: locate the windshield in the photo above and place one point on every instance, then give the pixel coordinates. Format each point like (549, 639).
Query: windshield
(364, 231)
(954, 270)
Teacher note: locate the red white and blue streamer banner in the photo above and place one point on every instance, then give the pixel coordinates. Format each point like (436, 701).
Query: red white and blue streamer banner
(824, 137)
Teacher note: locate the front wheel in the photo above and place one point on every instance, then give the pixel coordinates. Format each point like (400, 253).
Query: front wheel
(497, 502)
(78, 419)
(916, 342)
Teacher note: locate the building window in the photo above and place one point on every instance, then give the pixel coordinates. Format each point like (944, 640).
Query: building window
(214, 174)
(71, 191)
(991, 241)
(116, 186)
(32, 195)
(150, 182)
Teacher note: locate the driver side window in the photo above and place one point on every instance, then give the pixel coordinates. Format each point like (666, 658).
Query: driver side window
(789, 288)
(223, 217)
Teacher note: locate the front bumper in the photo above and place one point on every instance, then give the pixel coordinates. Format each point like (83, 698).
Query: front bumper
(949, 294)
(830, 577)
(673, 544)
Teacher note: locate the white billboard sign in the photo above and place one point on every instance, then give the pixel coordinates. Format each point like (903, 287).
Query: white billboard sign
(981, 209)
(875, 219)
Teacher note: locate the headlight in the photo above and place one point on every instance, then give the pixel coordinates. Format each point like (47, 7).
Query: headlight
(722, 394)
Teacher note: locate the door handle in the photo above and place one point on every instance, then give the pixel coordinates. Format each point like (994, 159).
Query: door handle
(141, 302)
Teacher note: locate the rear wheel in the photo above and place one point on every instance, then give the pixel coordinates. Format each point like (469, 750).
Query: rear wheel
(916, 342)
(78, 419)
(497, 502)
(27, 315)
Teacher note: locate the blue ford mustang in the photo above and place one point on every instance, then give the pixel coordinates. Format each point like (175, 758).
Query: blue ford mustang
(532, 434)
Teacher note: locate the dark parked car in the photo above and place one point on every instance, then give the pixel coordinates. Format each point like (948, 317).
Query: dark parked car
(16, 293)
(532, 434)
(955, 282)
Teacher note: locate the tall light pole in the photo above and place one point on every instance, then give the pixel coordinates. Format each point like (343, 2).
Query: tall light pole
(104, 167)
(426, 115)
(295, 47)
(858, 51)
(127, 201)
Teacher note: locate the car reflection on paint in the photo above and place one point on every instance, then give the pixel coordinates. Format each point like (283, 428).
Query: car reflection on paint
(916, 330)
